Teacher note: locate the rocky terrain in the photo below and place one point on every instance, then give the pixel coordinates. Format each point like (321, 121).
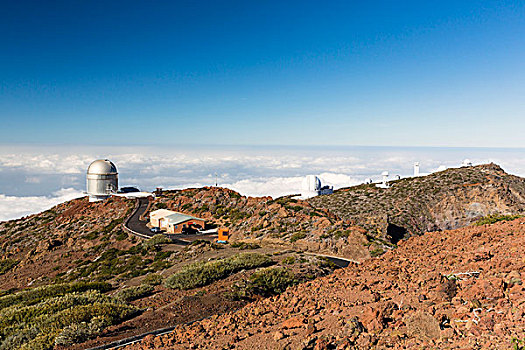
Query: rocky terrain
(444, 200)
(70, 277)
(360, 221)
(284, 222)
(460, 289)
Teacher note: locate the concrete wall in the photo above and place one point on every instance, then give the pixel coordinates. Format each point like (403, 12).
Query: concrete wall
(178, 228)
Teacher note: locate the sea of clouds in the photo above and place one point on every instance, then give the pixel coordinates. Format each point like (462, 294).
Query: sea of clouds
(34, 178)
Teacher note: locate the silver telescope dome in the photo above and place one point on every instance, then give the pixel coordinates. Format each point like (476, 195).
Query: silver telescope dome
(102, 167)
(102, 179)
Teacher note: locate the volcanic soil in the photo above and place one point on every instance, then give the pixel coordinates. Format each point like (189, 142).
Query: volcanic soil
(459, 289)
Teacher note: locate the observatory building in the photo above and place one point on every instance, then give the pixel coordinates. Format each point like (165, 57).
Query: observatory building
(466, 162)
(312, 187)
(384, 183)
(102, 180)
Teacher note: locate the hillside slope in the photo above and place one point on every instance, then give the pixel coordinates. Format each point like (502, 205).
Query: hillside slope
(70, 277)
(360, 221)
(448, 290)
(444, 200)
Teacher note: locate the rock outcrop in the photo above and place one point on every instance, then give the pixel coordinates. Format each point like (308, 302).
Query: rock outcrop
(444, 290)
(444, 200)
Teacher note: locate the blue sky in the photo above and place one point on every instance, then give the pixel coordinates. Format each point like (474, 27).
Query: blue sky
(391, 73)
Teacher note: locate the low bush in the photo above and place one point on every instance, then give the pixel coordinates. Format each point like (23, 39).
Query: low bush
(265, 282)
(289, 260)
(134, 293)
(340, 234)
(270, 281)
(376, 252)
(297, 236)
(199, 242)
(245, 245)
(35, 295)
(64, 314)
(152, 279)
(80, 332)
(121, 235)
(6, 265)
(203, 273)
(491, 219)
(155, 241)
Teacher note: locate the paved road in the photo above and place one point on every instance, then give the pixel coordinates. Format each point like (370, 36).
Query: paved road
(134, 222)
(139, 227)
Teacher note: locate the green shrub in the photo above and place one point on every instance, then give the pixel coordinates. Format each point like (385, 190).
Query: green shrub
(199, 242)
(203, 273)
(155, 241)
(162, 205)
(376, 252)
(266, 282)
(518, 344)
(35, 295)
(152, 279)
(121, 235)
(324, 262)
(114, 223)
(80, 332)
(58, 314)
(245, 245)
(340, 234)
(297, 236)
(491, 219)
(134, 293)
(6, 265)
(289, 260)
(91, 235)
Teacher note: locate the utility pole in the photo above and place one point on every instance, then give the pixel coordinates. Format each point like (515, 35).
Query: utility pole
(216, 179)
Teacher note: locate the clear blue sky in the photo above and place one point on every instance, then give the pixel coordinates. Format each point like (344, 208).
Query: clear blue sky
(411, 73)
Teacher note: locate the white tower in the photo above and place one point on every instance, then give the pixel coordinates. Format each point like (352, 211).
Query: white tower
(466, 162)
(384, 174)
(102, 180)
(416, 169)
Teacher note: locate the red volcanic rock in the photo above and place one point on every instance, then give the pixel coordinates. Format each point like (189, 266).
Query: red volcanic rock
(294, 322)
(470, 301)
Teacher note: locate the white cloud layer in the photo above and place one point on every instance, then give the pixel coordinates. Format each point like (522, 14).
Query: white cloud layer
(12, 207)
(31, 177)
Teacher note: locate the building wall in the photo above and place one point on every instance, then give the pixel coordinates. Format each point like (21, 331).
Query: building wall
(154, 222)
(171, 228)
(102, 184)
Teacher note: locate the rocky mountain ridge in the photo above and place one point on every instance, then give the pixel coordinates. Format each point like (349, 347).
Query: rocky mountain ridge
(444, 200)
(360, 221)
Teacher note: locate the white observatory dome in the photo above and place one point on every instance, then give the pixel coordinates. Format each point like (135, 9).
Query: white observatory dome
(311, 183)
(102, 179)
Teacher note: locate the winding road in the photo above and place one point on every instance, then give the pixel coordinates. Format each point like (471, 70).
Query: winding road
(133, 222)
(137, 227)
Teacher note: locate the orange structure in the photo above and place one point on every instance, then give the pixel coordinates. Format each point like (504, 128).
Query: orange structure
(223, 235)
